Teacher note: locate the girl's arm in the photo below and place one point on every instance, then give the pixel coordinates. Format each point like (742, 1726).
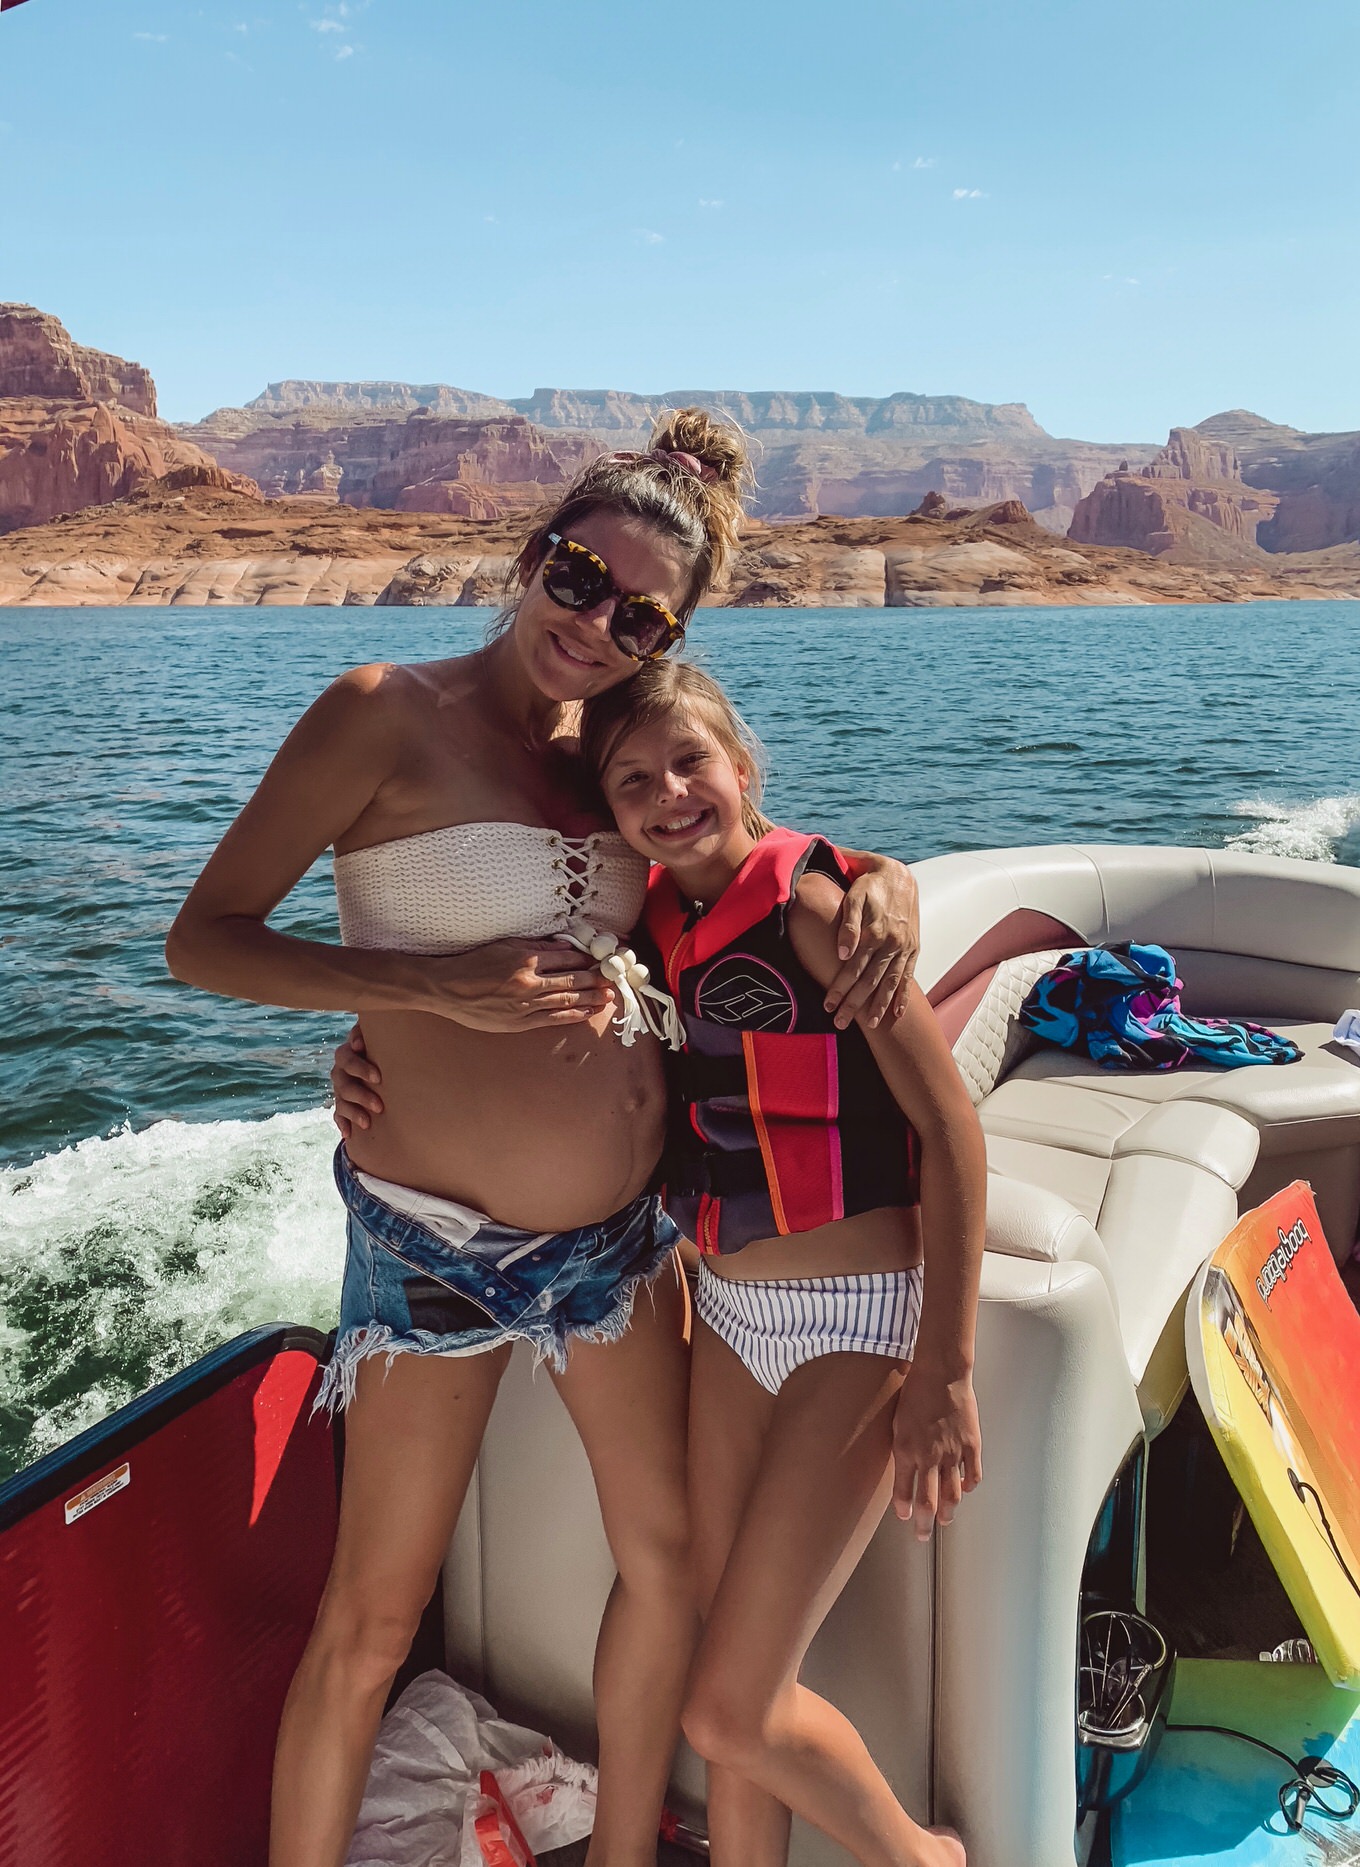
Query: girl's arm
(879, 937)
(329, 769)
(937, 1441)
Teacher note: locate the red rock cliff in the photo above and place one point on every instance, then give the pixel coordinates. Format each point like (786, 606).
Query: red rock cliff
(38, 358)
(1189, 499)
(78, 427)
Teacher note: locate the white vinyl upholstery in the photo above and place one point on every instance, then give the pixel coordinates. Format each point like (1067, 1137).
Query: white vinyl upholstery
(1057, 1423)
(957, 1662)
(1112, 1187)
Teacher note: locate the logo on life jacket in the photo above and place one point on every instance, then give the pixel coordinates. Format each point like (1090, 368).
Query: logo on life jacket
(742, 990)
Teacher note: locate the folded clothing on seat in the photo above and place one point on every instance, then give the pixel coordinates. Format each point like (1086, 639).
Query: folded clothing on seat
(1121, 1006)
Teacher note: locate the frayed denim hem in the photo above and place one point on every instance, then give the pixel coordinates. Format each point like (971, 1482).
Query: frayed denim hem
(363, 1342)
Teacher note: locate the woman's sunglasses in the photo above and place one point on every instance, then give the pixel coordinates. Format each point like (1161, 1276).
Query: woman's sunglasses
(576, 579)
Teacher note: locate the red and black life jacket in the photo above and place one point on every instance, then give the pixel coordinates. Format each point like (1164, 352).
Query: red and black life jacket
(778, 1121)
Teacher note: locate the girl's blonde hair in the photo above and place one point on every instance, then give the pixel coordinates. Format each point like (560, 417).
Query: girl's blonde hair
(690, 484)
(661, 688)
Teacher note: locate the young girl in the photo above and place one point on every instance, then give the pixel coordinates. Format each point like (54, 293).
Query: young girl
(815, 1169)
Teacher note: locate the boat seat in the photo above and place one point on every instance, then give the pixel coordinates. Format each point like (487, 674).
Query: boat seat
(1306, 1114)
(1157, 1187)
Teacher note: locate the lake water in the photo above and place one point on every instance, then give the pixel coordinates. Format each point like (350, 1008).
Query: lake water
(164, 1156)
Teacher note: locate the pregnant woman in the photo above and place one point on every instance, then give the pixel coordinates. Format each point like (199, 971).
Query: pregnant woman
(502, 1194)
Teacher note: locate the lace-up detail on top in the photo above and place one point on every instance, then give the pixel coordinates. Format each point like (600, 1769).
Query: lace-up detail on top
(443, 891)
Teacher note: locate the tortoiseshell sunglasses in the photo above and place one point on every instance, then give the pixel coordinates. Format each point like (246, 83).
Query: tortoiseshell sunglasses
(575, 578)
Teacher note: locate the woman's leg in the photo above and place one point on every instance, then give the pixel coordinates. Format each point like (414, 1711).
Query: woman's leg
(628, 1401)
(823, 1484)
(412, 1434)
(729, 1414)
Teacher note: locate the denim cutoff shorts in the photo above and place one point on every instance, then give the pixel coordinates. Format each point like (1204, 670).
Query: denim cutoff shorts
(409, 1291)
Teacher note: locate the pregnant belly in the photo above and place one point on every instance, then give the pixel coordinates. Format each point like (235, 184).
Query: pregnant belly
(545, 1130)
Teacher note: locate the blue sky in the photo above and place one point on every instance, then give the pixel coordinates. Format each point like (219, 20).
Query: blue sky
(1125, 216)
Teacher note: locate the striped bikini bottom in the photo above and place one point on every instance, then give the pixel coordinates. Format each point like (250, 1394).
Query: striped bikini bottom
(775, 1327)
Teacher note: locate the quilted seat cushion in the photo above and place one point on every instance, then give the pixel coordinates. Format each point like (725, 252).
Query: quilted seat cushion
(993, 1041)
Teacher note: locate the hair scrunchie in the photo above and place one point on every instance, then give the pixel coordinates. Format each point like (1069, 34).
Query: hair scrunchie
(688, 463)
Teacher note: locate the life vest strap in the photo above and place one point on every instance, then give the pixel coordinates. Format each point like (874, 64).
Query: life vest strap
(720, 1174)
(700, 1078)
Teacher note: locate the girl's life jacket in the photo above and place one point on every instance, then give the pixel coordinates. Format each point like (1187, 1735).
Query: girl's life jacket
(778, 1122)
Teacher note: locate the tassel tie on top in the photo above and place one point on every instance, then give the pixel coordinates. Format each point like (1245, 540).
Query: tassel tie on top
(623, 969)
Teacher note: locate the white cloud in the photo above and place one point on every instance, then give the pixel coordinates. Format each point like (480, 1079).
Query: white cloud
(969, 194)
(153, 38)
(704, 201)
(648, 237)
(326, 25)
(345, 51)
(922, 162)
(240, 26)
(895, 167)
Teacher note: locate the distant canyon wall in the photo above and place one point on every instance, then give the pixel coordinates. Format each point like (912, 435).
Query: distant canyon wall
(815, 452)
(473, 468)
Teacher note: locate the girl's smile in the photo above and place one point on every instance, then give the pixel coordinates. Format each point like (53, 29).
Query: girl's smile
(677, 797)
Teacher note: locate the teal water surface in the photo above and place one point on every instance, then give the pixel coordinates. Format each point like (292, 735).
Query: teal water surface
(163, 1154)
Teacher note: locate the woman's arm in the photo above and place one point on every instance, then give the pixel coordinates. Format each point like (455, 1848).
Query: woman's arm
(879, 937)
(329, 769)
(937, 1441)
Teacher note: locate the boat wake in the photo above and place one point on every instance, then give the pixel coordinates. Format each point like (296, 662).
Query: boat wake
(124, 1258)
(1325, 829)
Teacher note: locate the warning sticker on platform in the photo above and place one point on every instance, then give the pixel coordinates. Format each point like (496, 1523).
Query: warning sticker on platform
(99, 1492)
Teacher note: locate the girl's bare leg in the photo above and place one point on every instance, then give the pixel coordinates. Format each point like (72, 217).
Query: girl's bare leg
(412, 1434)
(729, 1413)
(628, 1401)
(820, 1491)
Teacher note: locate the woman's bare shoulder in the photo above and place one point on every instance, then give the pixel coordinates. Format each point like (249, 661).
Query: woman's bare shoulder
(393, 690)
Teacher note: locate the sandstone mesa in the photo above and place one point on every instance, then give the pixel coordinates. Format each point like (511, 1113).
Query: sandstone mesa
(389, 492)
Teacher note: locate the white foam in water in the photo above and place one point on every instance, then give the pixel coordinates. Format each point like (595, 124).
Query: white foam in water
(124, 1259)
(1312, 830)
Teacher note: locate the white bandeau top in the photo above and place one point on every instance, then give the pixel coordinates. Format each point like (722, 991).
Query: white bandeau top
(442, 891)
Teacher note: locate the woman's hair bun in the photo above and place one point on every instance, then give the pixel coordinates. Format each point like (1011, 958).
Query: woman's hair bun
(720, 448)
(690, 484)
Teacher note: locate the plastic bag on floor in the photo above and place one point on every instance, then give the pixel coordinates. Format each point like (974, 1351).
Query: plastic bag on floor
(528, 1808)
(432, 1749)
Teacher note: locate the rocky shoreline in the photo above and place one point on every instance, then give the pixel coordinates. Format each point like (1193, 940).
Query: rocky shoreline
(211, 544)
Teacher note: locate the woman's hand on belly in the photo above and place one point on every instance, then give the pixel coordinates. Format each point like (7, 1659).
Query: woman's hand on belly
(512, 985)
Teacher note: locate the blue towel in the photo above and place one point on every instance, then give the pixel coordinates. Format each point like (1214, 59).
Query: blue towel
(1121, 1006)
